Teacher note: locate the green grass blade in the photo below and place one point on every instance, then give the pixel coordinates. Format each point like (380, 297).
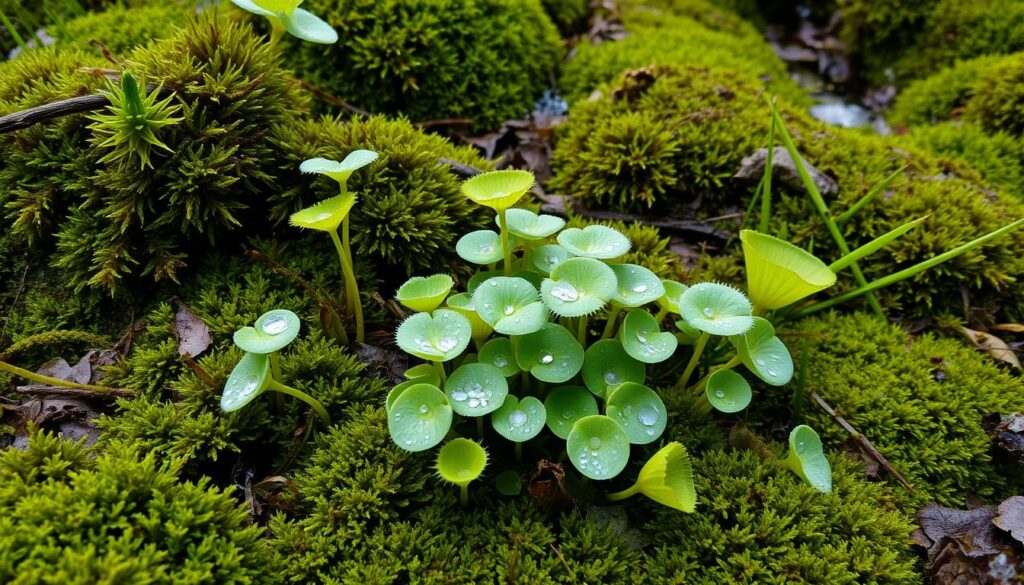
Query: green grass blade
(766, 182)
(870, 196)
(874, 245)
(908, 272)
(819, 203)
(14, 32)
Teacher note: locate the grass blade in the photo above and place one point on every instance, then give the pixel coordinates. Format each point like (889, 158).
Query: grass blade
(874, 245)
(870, 196)
(766, 182)
(14, 32)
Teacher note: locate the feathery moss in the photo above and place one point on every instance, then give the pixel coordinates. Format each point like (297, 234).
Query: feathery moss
(997, 157)
(121, 28)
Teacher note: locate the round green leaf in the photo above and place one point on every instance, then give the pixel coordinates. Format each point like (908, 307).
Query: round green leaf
(479, 278)
(325, 216)
(643, 340)
(509, 483)
(519, 420)
(764, 354)
(639, 411)
(272, 331)
(510, 304)
(551, 354)
(247, 381)
(421, 374)
(339, 171)
(727, 391)
(437, 337)
(716, 308)
(779, 273)
(461, 461)
(635, 285)
(577, 287)
(419, 418)
(481, 247)
(565, 406)
(498, 353)
(547, 257)
(527, 225)
(606, 365)
(476, 389)
(309, 27)
(462, 303)
(807, 458)
(424, 293)
(421, 371)
(250, 6)
(498, 189)
(598, 447)
(594, 241)
(673, 294)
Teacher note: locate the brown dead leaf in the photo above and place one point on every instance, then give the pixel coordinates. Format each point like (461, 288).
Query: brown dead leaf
(193, 335)
(1011, 517)
(547, 487)
(1007, 433)
(1008, 327)
(521, 144)
(992, 345)
(965, 547)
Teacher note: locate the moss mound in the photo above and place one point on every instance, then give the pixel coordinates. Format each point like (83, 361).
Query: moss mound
(668, 140)
(997, 157)
(71, 518)
(570, 16)
(487, 60)
(938, 97)
(120, 28)
(919, 400)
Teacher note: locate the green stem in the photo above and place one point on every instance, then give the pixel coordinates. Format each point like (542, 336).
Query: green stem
(275, 372)
(480, 427)
(41, 379)
(690, 367)
(464, 495)
(504, 243)
(581, 333)
(519, 452)
(276, 30)
(439, 366)
(661, 315)
(609, 326)
(766, 193)
(351, 288)
(319, 408)
(626, 493)
(735, 361)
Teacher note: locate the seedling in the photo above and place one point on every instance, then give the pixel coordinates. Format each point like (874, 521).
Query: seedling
(498, 352)
(438, 337)
(424, 293)
(134, 119)
(666, 478)
(644, 341)
(527, 225)
(669, 302)
(461, 461)
(328, 215)
(547, 257)
(500, 190)
(566, 405)
(419, 418)
(519, 420)
(807, 460)
(481, 247)
(476, 389)
(598, 447)
(727, 391)
(640, 412)
(594, 241)
(285, 16)
(510, 305)
(578, 287)
(716, 309)
(635, 286)
(550, 354)
(606, 365)
(779, 273)
(764, 354)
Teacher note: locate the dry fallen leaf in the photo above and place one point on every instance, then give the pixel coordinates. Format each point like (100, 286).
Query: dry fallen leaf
(193, 335)
(1011, 517)
(967, 547)
(992, 345)
(1009, 327)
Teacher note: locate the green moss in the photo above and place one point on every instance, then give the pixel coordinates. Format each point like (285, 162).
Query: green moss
(665, 140)
(487, 60)
(570, 16)
(410, 211)
(938, 98)
(121, 517)
(998, 102)
(920, 401)
(120, 28)
(997, 157)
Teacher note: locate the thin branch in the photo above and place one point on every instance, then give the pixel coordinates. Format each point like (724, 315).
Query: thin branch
(862, 441)
(47, 390)
(323, 95)
(76, 105)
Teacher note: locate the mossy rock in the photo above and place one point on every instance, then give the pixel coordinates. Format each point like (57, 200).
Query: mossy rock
(121, 28)
(919, 400)
(668, 140)
(487, 60)
(121, 516)
(942, 95)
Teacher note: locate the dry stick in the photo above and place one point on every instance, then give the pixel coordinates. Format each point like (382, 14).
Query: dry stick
(335, 101)
(76, 105)
(862, 441)
(79, 392)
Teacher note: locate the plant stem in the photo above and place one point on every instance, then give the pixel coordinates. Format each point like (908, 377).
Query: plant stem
(480, 426)
(464, 495)
(609, 326)
(581, 333)
(504, 243)
(735, 361)
(519, 452)
(319, 408)
(661, 315)
(626, 493)
(697, 351)
(275, 372)
(352, 302)
(41, 379)
(439, 366)
(766, 193)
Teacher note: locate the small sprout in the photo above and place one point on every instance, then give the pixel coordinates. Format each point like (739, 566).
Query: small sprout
(551, 354)
(527, 225)
(547, 257)
(716, 308)
(511, 305)
(420, 418)
(565, 406)
(420, 371)
(727, 391)
(462, 303)
(764, 354)
(424, 293)
(643, 340)
(673, 294)
(498, 353)
(578, 287)
(480, 247)
(779, 273)
(286, 16)
(807, 459)
(325, 216)
(666, 478)
(272, 332)
(460, 462)
(339, 171)
(606, 365)
(519, 420)
(598, 447)
(509, 483)
(640, 412)
(476, 389)
(247, 381)
(498, 190)
(594, 241)
(134, 118)
(438, 337)
(635, 285)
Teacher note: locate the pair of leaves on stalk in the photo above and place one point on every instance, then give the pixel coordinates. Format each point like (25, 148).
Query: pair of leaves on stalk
(286, 16)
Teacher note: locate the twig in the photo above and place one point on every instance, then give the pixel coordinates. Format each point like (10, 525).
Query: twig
(79, 392)
(58, 109)
(461, 169)
(572, 574)
(323, 95)
(14, 303)
(443, 122)
(862, 441)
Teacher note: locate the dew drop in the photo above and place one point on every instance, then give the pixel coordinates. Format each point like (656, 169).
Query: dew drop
(719, 393)
(459, 396)
(494, 283)
(771, 372)
(500, 361)
(708, 312)
(424, 409)
(759, 362)
(611, 378)
(474, 403)
(509, 309)
(486, 249)
(567, 414)
(275, 325)
(547, 358)
(565, 292)
(445, 344)
(650, 432)
(322, 216)
(595, 443)
(647, 416)
(408, 442)
(517, 418)
(640, 288)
